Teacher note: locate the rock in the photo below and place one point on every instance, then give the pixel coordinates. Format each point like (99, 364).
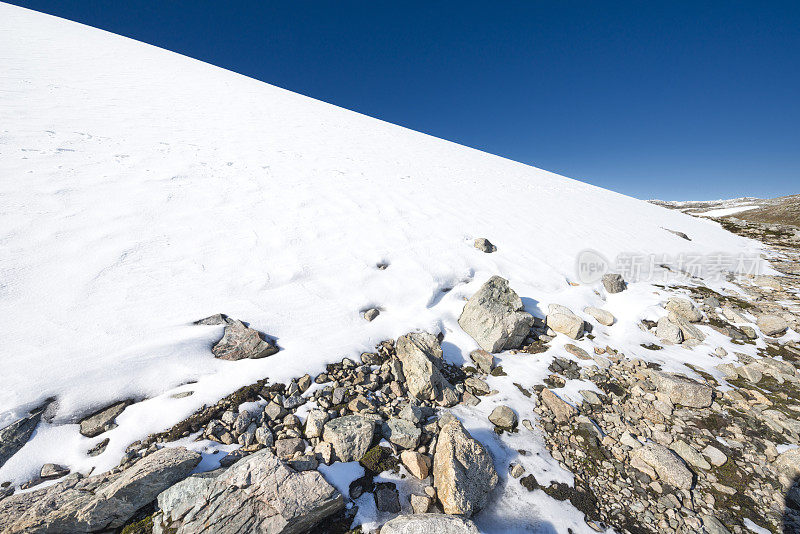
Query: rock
(315, 422)
(216, 319)
(495, 317)
(103, 420)
(772, 325)
(750, 372)
(483, 360)
(378, 459)
(102, 502)
(768, 281)
(386, 497)
(257, 494)
(613, 283)
(286, 447)
(98, 448)
(412, 413)
(713, 525)
(402, 433)
(480, 387)
(275, 412)
(51, 471)
(428, 523)
(350, 436)
(666, 464)
(503, 417)
(732, 315)
(689, 454)
(590, 397)
(749, 332)
(420, 503)
(787, 465)
(463, 471)
(682, 390)
(417, 464)
(371, 314)
(242, 342)
(684, 308)
(232, 457)
(562, 320)
(601, 316)
(421, 357)
(484, 245)
(577, 351)
(16, 435)
(688, 330)
(305, 462)
(562, 411)
(668, 331)
(715, 456)
(516, 470)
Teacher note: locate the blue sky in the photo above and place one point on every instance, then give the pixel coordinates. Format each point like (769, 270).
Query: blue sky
(673, 100)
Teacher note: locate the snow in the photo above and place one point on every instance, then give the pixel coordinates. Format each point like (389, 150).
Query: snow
(142, 190)
(722, 212)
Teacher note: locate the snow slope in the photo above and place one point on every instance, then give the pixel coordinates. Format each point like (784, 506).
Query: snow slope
(141, 190)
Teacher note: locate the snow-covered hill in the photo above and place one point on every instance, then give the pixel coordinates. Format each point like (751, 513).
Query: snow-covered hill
(141, 190)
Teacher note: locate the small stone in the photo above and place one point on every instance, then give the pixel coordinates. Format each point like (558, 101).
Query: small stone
(561, 410)
(562, 320)
(371, 314)
(483, 359)
(51, 471)
(420, 503)
(315, 422)
(495, 317)
(577, 351)
(516, 470)
(684, 308)
(668, 331)
(690, 454)
(351, 436)
(603, 317)
(772, 325)
(242, 342)
(285, 448)
(402, 433)
(715, 456)
(102, 420)
(417, 464)
(503, 417)
(484, 245)
(668, 466)
(613, 283)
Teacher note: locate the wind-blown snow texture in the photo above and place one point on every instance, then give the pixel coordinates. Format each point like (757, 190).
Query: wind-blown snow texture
(141, 190)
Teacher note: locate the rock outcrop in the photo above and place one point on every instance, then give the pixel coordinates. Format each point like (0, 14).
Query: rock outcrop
(16, 435)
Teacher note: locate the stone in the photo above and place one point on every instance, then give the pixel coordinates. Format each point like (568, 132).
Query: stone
(16, 435)
(772, 325)
(684, 308)
(420, 503)
(52, 471)
(577, 351)
(665, 463)
(480, 387)
(613, 283)
(214, 320)
(483, 360)
(428, 523)
(768, 281)
(495, 317)
(232, 457)
(715, 456)
(688, 330)
(516, 470)
(603, 317)
(463, 471)
(350, 436)
(484, 245)
(562, 320)
(259, 493)
(102, 502)
(503, 417)
(668, 331)
(590, 397)
(750, 372)
(315, 422)
(713, 525)
(371, 314)
(787, 465)
(242, 342)
(412, 413)
(102, 420)
(287, 447)
(402, 433)
(732, 315)
(305, 462)
(386, 497)
(689, 454)
(275, 412)
(562, 411)
(682, 390)
(421, 357)
(416, 463)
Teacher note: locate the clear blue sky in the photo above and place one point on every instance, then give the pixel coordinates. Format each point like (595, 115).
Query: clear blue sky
(673, 100)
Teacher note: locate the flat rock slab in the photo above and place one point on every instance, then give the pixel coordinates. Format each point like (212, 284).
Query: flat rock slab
(241, 342)
(16, 435)
(682, 390)
(101, 502)
(429, 523)
(102, 420)
(259, 493)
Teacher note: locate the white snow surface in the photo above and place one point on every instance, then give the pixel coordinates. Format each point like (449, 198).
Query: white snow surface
(722, 212)
(141, 190)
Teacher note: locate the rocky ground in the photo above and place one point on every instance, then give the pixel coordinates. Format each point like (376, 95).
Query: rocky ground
(651, 451)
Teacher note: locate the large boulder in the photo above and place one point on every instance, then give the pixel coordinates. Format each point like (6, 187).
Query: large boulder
(772, 325)
(101, 502)
(684, 308)
(259, 493)
(495, 317)
(427, 523)
(463, 471)
(562, 320)
(668, 331)
(420, 355)
(350, 436)
(604, 317)
(665, 463)
(682, 390)
(242, 342)
(688, 330)
(16, 435)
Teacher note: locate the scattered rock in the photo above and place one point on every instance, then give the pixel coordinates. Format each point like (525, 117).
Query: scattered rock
(420, 503)
(613, 283)
(421, 358)
(665, 463)
(668, 331)
(102, 420)
(350, 436)
(562, 320)
(601, 316)
(242, 342)
(463, 471)
(772, 325)
(562, 411)
(417, 464)
(484, 245)
(386, 497)
(577, 351)
(684, 308)
(402, 433)
(503, 417)
(495, 317)
(483, 359)
(371, 314)
(428, 523)
(52, 471)
(682, 390)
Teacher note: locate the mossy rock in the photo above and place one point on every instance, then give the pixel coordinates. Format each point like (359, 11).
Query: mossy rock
(379, 459)
(144, 526)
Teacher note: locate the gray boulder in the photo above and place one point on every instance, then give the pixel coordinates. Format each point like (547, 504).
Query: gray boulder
(257, 494)
(16, 435)
(402, 433)
(562, 320)
(421, 358)
(463, 471)
(682, 390)
(495, 317)
(772, 325)
(613, 283)
(350, 436)
(427, 523)
(668, 331)
(688, 330)
(684, 308)
(483, 360)
(315, 422)
(242, 342)
(503, 417)
(484, 245)
(101, 502)
(665, 463)
(103, 420)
